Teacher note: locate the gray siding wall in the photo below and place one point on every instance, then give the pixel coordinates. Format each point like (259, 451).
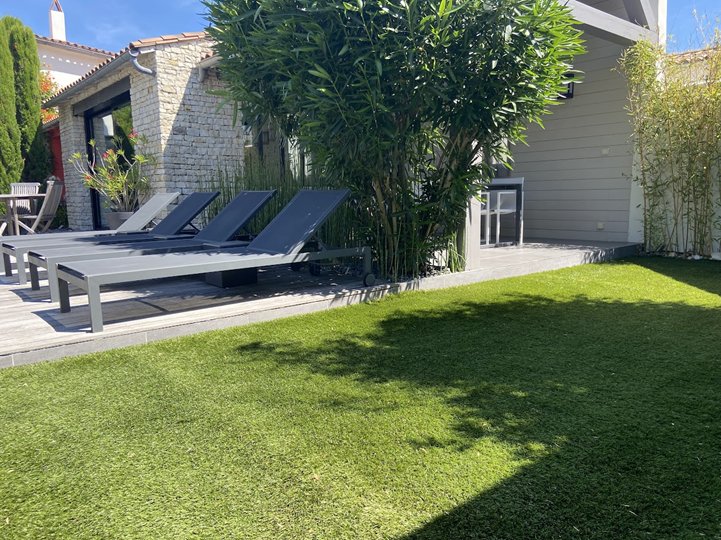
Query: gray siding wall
(578, 168)
(614, 7)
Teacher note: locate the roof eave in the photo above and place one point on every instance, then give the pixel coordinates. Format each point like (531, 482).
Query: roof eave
(115, 64)
(75, 47)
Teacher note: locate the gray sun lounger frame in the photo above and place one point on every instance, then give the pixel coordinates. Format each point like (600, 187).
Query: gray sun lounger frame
(138, 221)
(279, 243)
(217, 234)
(169, 227)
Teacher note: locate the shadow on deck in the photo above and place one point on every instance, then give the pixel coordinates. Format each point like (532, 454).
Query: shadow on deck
(35, 330)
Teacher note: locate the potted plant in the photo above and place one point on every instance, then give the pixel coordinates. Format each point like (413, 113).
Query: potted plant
(117, 174)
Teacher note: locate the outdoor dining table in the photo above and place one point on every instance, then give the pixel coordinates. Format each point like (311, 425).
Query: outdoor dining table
(12, 218)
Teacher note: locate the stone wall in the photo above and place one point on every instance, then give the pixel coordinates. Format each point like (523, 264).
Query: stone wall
(186, 131)
(196, 137)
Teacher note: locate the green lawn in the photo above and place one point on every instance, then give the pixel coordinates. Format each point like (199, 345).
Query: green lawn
(583, 403)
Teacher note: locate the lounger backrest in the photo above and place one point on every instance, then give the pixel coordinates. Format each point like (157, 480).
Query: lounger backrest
(185, 212)
(146, 213)
(234, 216)
(298, 221)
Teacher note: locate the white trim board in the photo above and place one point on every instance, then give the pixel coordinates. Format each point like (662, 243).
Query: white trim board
(608, 26)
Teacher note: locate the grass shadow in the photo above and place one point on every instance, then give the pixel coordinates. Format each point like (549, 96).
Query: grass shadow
(612, 406)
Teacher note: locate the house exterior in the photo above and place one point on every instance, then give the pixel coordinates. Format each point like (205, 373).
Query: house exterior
(169, 98)
(578, 169)
(65, 62)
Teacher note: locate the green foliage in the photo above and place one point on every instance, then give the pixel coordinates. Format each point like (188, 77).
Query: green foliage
(38, 164)
(10, 156)
(117, 174)
(576, 404)
(404, 102)
(286, 176)
(675, 105)
(48, 88)
(26, 66)
(60, 221)
(33, 162)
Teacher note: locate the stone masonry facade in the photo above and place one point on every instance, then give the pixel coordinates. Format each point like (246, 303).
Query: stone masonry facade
(197, 139)
(186, 131)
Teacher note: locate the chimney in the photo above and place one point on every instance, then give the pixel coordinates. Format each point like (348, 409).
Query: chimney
(57, 21)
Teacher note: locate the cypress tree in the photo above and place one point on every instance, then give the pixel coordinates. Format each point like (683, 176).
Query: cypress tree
(26, 68)
(10, 157)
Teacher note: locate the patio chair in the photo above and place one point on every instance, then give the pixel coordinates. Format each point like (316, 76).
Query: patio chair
(502, 202)
(279, 243)
(20, 206)
(24, 188)
(217, 234)
(40, 222)
(170, 226)
(136, 223)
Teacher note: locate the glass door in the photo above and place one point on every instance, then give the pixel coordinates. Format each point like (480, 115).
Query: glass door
(109, 128)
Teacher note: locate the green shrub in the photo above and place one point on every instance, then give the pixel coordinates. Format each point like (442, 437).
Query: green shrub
(406, 103)
(675, 104)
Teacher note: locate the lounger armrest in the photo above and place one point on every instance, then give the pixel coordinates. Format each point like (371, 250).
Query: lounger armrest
(229, 244)
(172, 236)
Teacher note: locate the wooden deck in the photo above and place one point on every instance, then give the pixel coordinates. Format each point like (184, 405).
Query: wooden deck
(34, 330)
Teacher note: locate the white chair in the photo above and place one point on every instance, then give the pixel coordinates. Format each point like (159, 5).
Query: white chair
(24, 206)
(501, 202)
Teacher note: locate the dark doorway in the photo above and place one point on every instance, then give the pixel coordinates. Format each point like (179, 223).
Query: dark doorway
(108, 124)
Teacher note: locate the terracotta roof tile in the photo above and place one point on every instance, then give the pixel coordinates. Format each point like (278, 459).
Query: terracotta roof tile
(692, 56)
(72, 45)
(145, 42)
(174, 38)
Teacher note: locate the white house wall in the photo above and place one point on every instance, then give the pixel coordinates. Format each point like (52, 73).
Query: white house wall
(578, 169)
(66, 66)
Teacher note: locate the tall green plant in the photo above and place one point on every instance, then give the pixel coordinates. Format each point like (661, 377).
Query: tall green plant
(400, 100)
(10, 156)
(34, 152)
(281, 170)
(675, 106)
(26, 68)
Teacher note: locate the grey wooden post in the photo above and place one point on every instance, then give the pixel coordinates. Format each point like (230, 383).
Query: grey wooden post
(472, 235)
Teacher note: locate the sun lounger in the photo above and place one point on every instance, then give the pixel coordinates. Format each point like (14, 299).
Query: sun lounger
(217, 234)
(139, 220)
(170, 226)
(280, 243)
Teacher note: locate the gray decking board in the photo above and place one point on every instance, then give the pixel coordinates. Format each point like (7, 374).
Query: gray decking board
(36, 330)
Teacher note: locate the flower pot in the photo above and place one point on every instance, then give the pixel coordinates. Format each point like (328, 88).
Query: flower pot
(116, 219)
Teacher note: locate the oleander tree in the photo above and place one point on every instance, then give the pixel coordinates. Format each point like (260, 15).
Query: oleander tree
(404, 101)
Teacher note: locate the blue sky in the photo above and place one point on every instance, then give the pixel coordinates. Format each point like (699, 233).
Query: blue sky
(112, 25)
